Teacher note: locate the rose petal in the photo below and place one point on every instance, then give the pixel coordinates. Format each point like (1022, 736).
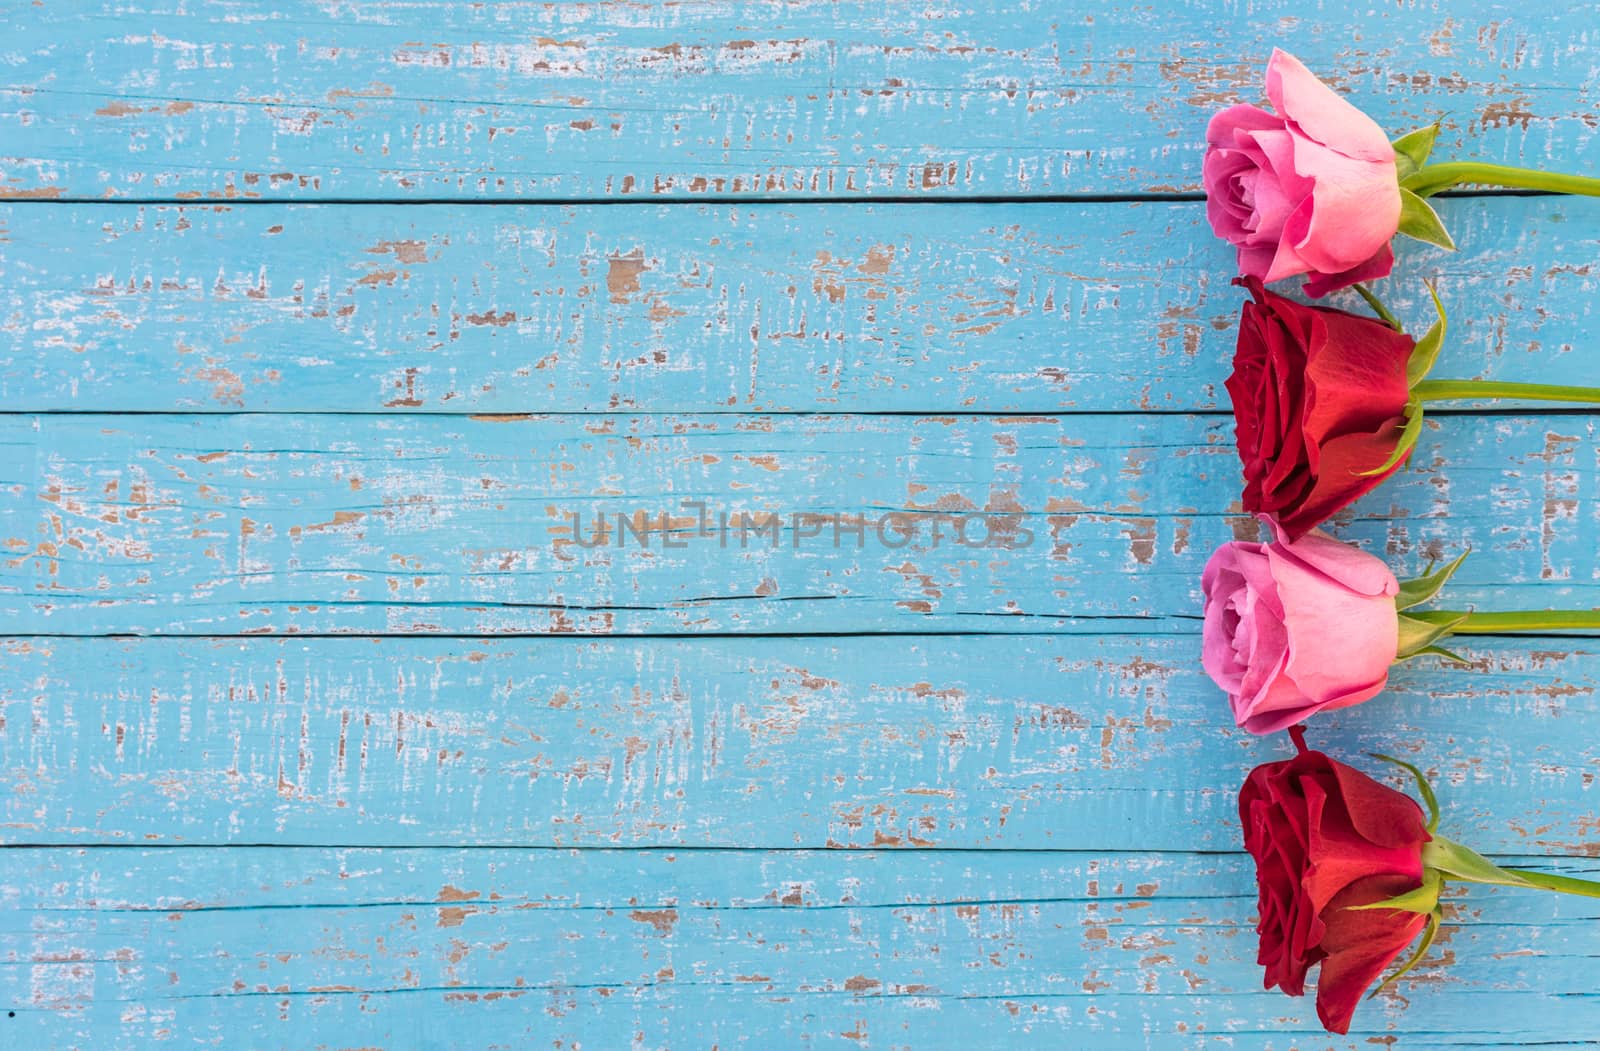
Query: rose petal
(1277, 188)
(1381, 264)
(1223, 127)
(1381, 814)
(1287, 260)
(1342, 478)
(1255, 262)
(1353, 211)
(1322, 113)
(1221, 579)
(1357, 367)
(1341, 644)
(1342, 563)
(1361, 945)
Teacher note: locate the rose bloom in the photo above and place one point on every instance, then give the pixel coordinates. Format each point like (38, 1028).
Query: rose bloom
(1325, 837)
(1311, 189)
(1319, 397)
(1292, 629)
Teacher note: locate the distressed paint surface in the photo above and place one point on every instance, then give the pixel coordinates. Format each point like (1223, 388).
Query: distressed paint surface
(301, 98)
(513, 947)
(267, 369)
(941, 742)
(833, 307)
(425, 524)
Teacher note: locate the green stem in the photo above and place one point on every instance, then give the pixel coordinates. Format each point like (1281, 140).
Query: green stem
(1562, 884)
(1378, 308)
(1522, 620)
(1483, 390)
(1435, 178)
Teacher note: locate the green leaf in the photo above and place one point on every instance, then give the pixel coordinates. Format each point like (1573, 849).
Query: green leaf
(1425, 899)
(1434, 919)
(1426, 352)
(1418, 220)
(1417, 634)
(1408, 439)
(1418, 590)
(1423, 788)
(1411, 150)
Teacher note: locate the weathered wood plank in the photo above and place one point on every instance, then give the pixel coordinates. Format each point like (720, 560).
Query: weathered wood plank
(1110, 307)
(628, 948)
(296, 98)
(1102, 743)
(737, 1018)
(426, 524)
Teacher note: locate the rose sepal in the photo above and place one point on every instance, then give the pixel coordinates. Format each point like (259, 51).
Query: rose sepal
(1417, 636)
(1411, 150)
(1420, 222)
(1455, 861)
(1425, 899)
(1407, 442)
(1426, 352)
(1442, 858)
(1445, 859)
(1424, 789)
(1440, 651)
(1435, 918)
(1423, 355)
(1417, 590)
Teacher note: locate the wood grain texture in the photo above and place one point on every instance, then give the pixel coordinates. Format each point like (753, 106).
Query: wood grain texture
(254, 383)
(492, 948)
(300, 99)
(708, 308)
(1097, 744)
(358, 524)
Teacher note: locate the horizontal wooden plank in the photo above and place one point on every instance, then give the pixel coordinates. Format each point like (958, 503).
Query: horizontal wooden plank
(360, 524)
(1109, 307)
(421, 308)
(295, 98)
(607, 1017)
(619, 948)
(1090, 743)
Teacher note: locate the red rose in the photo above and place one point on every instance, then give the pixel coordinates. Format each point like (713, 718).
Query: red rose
(1319, 397)
(1326, 837)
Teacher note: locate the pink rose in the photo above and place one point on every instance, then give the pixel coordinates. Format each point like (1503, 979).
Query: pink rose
(1311, 189)
(1292, 629)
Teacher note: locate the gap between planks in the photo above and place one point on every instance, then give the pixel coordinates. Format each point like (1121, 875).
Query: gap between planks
(577, 638)
(1579, 861)
(1519, 408)
(714, 200)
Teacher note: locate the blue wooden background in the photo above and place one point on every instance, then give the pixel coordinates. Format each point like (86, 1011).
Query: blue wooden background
(328, 330)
